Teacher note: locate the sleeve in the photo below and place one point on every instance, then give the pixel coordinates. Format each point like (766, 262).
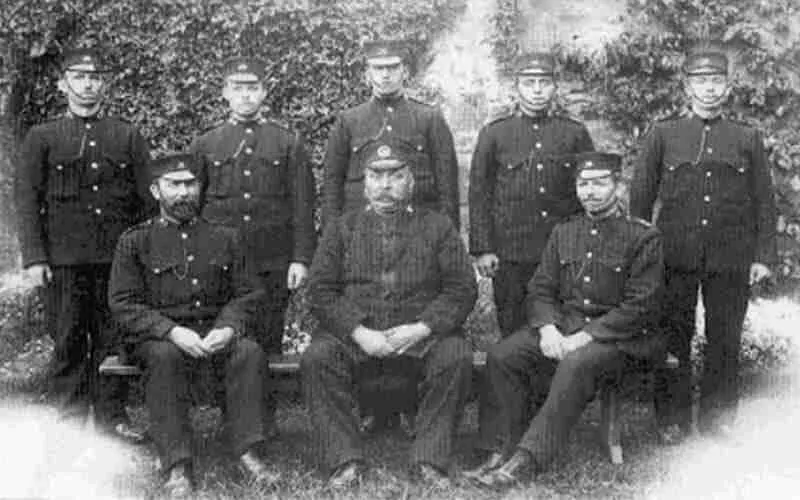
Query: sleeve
(445, 166)
(245, 292)
(544, 303)
(337, 157)
(642, 295)
(303, 201)
(764, 206)
(140, 153)
(458, 289)
(30, 189)
(646, 176)
(127, 294)
(584, 142)
(330, 307)
(482, 182)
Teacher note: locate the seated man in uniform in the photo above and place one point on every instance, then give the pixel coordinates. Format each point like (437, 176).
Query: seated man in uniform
(391, 284)
(180, 291)
(590, 304)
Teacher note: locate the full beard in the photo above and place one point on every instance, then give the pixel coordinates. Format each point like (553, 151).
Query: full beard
(183, 210)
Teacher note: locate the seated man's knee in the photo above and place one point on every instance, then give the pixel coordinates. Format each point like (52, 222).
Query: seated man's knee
(452, 352)
(319, 354)
(246, 350)
(161, 354)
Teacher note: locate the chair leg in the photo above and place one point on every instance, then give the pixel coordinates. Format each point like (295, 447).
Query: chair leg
(610, 427)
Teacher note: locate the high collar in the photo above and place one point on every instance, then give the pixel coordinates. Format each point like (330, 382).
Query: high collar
(711, 120)
(97, 115)
(612, 212)
(164, 221)
(409, 209)
(257, 119)
(390, 100)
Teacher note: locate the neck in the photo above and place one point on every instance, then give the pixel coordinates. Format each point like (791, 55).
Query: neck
(239, 118)
(604, 212)
(388, 97)
(707, 113)
(172, 219)
(84, 111)
(531, 112)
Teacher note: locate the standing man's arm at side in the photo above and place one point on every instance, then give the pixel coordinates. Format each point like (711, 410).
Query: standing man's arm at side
(646, 176)
(445, 166)
(764, 201)
(30, 187)
(303, 195)
(337, 158)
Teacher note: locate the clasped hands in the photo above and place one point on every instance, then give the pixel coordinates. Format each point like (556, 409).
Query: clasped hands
(190, 342)
(392, 342)
(555, 345)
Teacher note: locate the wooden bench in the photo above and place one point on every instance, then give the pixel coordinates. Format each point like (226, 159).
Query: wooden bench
(289, 365)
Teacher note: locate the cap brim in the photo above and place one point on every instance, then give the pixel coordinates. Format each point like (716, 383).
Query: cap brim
(178, 175)
(595, 173)
(385, 60)
(386, 165)
(87, 68)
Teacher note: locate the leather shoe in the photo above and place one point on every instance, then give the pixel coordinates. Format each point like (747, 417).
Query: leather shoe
(178, 486)
(509, 474)
(257, 469)
(494, 461)
(429, 475)
(671, 434)
(347, 475)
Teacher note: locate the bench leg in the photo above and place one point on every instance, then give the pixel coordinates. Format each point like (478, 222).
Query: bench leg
(610, 428)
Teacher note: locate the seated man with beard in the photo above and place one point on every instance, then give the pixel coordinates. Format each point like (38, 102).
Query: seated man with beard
(591, 306)
(391, 284)
(181, 293)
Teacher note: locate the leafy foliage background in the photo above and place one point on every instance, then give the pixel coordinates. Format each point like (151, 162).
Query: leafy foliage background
(170, 52)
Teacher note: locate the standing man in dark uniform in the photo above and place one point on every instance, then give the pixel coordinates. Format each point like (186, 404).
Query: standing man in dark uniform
(81, 182)
(591, 308)
(390, 116)
(521, 185)
(718, 218)
(260, 181)
(391, 285)
(181, 291)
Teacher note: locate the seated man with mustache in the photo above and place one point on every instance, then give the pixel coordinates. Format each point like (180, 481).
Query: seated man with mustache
(590, 305)
(181, 291)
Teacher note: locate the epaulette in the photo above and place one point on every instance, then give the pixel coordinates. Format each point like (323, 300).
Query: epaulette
(138, 226)
(213, 126)
(278, 123)
(640, 221)
(502, 113)
(416, 99)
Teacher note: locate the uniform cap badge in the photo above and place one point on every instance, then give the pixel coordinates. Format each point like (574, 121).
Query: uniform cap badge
(87, 59)
(384, 152)
(242, 67)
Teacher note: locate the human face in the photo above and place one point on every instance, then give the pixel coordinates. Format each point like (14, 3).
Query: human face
(244, 97)
(386, 77)
(178, 196)
(536, 91)
(387, 190)
(84, 88)
(596, 192)
(707, 92)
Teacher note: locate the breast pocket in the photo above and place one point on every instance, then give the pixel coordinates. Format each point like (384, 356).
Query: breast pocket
(424, 176)
(269, 175)
(608, 275)
(515, 180)
(117, 174)
(63, 178)
(676, 179)
(735, 182)
(166, 281)
(355, 169)
(221, 176)
(218, 279)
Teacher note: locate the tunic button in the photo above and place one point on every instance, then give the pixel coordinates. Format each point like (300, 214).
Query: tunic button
(59, 167)
(708, 173)
(92, 143)
(195, 281)
(88, 126)
(419, 147)
(510, 166)
(706, 198)
(276, 162)
(587, 279)
(246, 218)
(536, 126)
(587, 319)
(123, 165)
(587, 302)
(539, 166)
(98, 211)
(389, 128)
(248, 131)
(707, 128)
(216, 164)
(184, 235)
(190, 258)
(593, 232)
(538, 145)
(247, 173)
(355, 149)
(709, 150)
(247, 196)
(157, 271)
(95, 188)
(390, 109)
(197, 304)
(248, 151)
(541, 189)
(704, 222)
(544, 213)
(95, 165)
(588, 255)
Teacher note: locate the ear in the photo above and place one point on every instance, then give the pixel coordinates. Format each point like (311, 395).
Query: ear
(226, 91)
(62, 85)
(154, 190)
